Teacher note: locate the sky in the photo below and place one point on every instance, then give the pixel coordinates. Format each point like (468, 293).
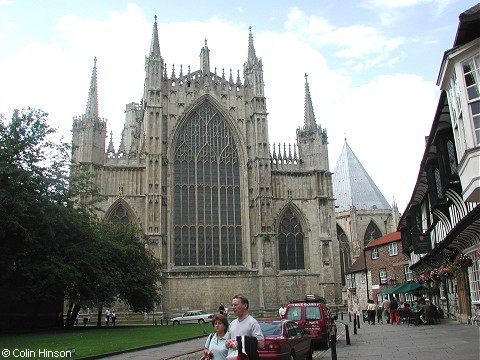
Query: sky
(372, 65)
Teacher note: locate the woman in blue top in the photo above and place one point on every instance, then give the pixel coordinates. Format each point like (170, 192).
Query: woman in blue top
(215, 345)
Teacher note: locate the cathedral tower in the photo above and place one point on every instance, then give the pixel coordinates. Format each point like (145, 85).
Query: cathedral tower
(89, 130)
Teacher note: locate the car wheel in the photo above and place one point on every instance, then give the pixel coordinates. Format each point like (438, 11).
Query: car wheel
(325, 345)
(201, 321)
(176, 322)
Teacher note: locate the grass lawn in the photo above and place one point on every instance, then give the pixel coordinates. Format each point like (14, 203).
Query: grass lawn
(90, 340)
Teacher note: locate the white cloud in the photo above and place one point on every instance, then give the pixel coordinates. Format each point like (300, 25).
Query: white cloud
(390, 10)
(364, 45)
(377, 117)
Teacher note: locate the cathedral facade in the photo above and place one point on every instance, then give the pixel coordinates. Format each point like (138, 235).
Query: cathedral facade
(225, 212)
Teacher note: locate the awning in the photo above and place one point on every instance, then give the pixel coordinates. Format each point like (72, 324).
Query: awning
(392, 290)
(408, 287)
(403, 288)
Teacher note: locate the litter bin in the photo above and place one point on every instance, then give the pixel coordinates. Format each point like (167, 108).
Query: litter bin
(365, 315)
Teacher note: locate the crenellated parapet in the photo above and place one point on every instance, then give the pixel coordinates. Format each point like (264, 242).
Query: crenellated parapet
(83, 121)
(311, 132)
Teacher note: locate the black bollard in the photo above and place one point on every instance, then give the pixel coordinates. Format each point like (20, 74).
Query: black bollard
(358, 321)
(347, 335)
(355, 325)
(341, 315)
(333, 346)
(350, 316)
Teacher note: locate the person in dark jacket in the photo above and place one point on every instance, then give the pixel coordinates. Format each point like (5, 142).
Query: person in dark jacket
(393, 311)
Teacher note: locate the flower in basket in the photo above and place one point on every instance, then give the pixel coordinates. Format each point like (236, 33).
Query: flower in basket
(425, 277)
(463, 261)
(434, 275)
(443, 272)
(452, 269)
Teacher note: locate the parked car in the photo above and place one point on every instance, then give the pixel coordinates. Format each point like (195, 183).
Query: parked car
(313, 314)
(193, 316)
(285, 340)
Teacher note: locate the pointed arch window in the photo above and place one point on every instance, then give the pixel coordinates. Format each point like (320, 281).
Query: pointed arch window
(345, 255)
(290, 243)
(120, 216)
(207, 220)
(372, 233)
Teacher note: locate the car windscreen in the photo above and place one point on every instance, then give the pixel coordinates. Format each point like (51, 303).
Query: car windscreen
(271, 328)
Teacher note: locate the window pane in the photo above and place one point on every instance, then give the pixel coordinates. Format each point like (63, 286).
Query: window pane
(206, 156)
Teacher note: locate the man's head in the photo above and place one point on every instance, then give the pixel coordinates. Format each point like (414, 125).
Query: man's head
(240, 306)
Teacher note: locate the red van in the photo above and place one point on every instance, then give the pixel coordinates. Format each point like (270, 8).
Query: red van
(313, 315)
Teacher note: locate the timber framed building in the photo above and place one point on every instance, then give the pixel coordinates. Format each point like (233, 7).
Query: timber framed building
(441, 224)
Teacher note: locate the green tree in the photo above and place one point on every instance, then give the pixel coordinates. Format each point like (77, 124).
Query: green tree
(52, 250)
(31, 187)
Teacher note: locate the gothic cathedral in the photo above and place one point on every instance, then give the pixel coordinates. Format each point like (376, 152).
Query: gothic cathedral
(225, 212)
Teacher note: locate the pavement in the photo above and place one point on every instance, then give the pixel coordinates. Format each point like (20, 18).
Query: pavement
(447, 340)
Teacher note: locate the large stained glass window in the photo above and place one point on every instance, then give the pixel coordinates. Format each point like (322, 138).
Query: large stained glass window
(290, 243)
(206, 196)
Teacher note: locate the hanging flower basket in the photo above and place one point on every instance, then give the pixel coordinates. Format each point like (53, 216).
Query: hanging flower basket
(463, 261)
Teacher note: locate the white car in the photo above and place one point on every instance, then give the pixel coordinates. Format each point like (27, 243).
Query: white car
(193, 316)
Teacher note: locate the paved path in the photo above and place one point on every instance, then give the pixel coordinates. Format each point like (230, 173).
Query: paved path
(448, 340)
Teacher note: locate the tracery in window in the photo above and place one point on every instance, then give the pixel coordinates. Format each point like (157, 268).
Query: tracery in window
(206, 196)
(119, 216)
(345, 256)
(290, 243)
(372, 233)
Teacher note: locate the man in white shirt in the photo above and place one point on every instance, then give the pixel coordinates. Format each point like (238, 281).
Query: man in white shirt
(281, 311)
(244, 324)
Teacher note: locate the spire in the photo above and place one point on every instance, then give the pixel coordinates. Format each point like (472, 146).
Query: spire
(352, 186)
(155, 44)
(252, 70)
(309, 114)
(111, 148)
(92, 102)
(252, 57)
(205, 59)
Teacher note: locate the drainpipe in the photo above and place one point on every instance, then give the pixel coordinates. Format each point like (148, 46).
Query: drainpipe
(366, 270)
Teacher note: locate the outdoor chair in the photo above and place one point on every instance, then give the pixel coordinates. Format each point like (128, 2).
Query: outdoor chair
(414, 318)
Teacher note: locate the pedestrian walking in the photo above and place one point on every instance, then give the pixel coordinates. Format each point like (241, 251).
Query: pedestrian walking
(107, 316)
(372, 311)
(386, 309)
(393, 311)
(246, 326)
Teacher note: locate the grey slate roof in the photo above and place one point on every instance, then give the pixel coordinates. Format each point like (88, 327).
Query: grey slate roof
(352, 186)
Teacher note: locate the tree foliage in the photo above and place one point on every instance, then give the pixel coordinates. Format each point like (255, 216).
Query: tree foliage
(52, 250)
